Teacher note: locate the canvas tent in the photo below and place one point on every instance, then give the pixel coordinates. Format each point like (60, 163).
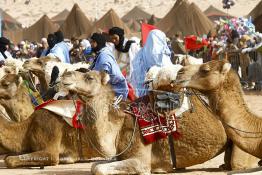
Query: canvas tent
(8, 22)
(15, 36)
(40, 29)
(134, 25)
(215, 14)
(61, 17)
(109, 20)
(136, 14)
(76, 23)
(186, 18)
(256, 15)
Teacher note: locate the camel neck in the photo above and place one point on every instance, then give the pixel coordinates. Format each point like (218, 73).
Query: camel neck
(230, 106)
(19, 107)
(100, 103)
(43, 83)
(101, 118)
(243, 127)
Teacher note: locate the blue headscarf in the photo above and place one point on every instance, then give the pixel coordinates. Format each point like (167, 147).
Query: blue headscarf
(154, 52)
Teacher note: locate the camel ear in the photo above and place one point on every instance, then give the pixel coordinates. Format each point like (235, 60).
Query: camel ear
(105, 78)
(226, 68)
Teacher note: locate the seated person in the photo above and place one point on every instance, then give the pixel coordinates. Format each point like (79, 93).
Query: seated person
(105, 61)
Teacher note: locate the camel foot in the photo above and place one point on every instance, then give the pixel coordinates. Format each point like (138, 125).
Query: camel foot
(11, 162)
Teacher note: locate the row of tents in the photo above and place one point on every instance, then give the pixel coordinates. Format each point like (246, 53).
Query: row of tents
(184, 17)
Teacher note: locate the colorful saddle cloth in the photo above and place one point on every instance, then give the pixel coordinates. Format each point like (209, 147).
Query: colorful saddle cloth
(153, 126)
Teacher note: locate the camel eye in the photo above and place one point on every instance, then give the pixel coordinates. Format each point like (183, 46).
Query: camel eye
(26, 62)
(7, 71)
(205, 69)
(39, 62)
(89, 78)
(181, 71)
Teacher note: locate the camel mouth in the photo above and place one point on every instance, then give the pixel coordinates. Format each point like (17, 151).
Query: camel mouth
(67, 84)
(179, 82)
(83, 93)
(28, 69)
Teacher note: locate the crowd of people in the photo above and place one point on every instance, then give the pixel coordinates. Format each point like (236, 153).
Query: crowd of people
(127, 61)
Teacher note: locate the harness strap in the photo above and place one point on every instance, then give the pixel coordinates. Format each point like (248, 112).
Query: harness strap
(172, 150)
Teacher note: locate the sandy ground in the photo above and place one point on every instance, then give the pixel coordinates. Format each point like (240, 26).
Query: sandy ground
(253, 100)
(28, 14)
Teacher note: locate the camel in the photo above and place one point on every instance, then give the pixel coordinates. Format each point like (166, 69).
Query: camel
(198, 144)
(37, 66)
(221, 85)
(43, 139)
(43, 69)
(14, 98)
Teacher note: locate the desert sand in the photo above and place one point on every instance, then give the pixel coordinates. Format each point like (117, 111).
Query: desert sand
(254, 101)
(28, 14)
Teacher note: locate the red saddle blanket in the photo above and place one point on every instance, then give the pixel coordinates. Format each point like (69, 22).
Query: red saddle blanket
(152, 125)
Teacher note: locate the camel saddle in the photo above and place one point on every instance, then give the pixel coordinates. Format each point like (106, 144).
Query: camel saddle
(69, 110)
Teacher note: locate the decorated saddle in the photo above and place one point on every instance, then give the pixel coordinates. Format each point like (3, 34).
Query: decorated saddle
(69, 110)
(153, 125)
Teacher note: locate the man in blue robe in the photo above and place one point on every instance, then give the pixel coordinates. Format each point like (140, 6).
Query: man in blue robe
(105, 61)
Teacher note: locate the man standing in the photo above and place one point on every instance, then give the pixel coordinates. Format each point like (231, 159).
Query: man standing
(105, 61)
(61, 48)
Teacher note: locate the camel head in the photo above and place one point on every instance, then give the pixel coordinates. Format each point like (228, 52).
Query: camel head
(88, 84)
(206, 77)
(7, 70)
(9, 85)
(37, 65)
(98, 114)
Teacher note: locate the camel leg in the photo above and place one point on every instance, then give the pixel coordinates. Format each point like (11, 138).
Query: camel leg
(160, 160)
(129, 166)
(242, 160)
(228, 156)
(39, 158)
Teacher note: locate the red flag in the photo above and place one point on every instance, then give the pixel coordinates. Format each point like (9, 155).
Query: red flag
(145, 29)
(194, 43)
